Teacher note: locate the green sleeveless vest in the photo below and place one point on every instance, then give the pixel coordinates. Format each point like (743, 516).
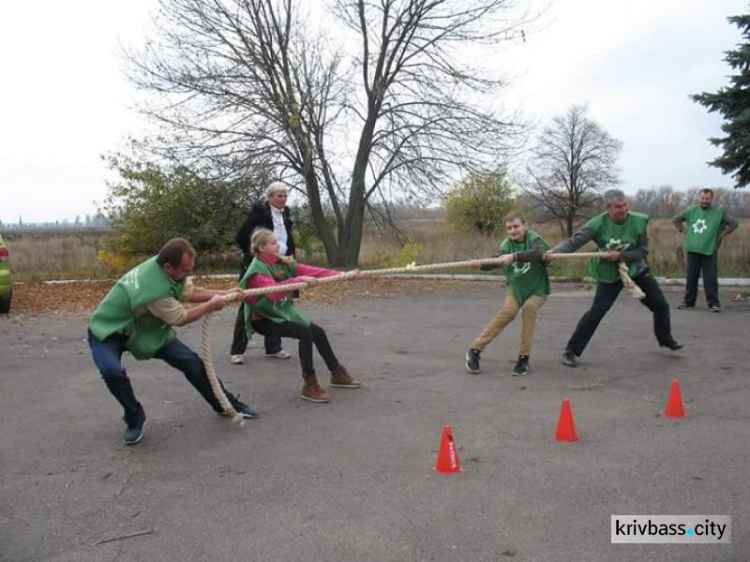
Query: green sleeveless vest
(611, 236)
(526, 278)
(703, 228)
(275, 311)
(141, 285)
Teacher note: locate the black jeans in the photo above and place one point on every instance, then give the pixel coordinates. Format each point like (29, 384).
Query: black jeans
(272, 344)
(696, 262)
(606, 295)
(306, 336)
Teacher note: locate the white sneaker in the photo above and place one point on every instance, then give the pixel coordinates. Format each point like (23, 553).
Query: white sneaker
(251, 343)
(278, 355)
(237, 359)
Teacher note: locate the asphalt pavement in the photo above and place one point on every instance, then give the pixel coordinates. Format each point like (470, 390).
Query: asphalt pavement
(353, 480)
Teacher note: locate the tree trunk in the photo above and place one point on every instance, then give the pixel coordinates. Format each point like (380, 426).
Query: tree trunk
(351, 237)
(569, 224)
(332, 249)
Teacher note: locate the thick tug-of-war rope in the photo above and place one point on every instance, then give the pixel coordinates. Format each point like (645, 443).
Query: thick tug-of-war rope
(627, 282)
(211, 373)
(635, 291)
(413, 268)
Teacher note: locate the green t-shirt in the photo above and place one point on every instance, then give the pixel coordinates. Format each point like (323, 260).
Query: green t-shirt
(276, 311)
(526, 278)
(610, 236)
(703, 228)
(141, 285)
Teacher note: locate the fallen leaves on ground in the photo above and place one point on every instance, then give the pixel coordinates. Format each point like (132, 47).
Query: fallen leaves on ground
(77, 296)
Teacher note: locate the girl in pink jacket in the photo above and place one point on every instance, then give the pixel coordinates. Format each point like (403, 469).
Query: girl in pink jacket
(275, 313)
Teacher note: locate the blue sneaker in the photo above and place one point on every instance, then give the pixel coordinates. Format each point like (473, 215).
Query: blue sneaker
(244, 410)
(134, 432)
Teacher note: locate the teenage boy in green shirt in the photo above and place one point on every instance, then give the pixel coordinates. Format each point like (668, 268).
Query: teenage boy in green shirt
(523, 254)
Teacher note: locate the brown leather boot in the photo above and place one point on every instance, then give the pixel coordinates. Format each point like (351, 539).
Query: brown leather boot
(341, 378)
(312, 392)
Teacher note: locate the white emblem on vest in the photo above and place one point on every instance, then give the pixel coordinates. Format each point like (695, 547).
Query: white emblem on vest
(699, 226)
(521, 268)
(616, 245)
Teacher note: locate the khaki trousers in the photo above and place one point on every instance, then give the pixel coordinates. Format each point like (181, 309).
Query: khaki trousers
(506, 315)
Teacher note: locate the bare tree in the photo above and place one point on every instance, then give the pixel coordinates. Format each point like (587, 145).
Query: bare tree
(645, 201)
(572, 161)
(401, 116)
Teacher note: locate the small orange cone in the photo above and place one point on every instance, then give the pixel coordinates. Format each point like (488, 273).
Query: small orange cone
(447, 460)
(566, 427)
(675, 408)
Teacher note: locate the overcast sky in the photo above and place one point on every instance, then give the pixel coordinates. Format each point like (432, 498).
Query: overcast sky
(64, 100)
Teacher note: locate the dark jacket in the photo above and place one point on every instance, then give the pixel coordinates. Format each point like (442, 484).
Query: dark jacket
(260, 217)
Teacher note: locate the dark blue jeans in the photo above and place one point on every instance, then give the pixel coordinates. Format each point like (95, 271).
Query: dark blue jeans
(107, 356)
(696, 262)
(605, 297)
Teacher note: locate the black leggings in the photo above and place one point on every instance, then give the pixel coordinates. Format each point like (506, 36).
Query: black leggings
(306, 336)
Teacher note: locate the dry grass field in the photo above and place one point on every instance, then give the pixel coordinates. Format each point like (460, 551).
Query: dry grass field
(433, 242)
(40, 256)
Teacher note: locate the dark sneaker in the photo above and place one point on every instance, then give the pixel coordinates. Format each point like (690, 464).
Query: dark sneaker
(134, 432)
(244, 410)
(312, 392)
(522, 366)
(671, 344)
(569, 359)
(341, 378)
(685, 305)
(472, 362)
(714, 308)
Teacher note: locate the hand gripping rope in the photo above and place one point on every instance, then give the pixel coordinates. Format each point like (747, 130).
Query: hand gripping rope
(629, 284)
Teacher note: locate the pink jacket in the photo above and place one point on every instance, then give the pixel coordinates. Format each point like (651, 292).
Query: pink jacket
(257, 280)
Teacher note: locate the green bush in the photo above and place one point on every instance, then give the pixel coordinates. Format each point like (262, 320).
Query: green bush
(479, 204)
(151, 204)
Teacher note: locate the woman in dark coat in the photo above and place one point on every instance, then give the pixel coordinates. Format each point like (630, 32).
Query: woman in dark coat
(274, 215)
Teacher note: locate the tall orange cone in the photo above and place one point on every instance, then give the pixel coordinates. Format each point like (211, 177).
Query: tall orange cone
(566, 427)
(447, 460)
(675, 408)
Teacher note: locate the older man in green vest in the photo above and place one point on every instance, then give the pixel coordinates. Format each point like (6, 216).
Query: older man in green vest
(138, 314)
(708, 225)
(622, 235)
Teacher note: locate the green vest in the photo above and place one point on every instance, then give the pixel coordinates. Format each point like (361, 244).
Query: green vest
(619, 237)
(703, 228)
(276, 311)
(141, 285)
(526, 278)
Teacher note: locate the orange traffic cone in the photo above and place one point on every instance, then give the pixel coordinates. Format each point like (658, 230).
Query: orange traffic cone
(447, 460)
(675, 408)
(566, 427)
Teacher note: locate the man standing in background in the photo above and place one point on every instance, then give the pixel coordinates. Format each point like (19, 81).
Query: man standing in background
(708, 225)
